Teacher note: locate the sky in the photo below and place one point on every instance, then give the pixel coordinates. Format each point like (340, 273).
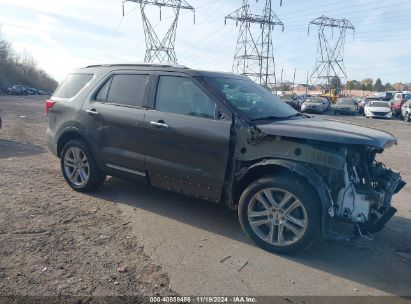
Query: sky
(66, 34)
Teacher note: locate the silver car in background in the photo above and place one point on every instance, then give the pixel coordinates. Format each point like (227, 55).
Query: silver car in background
(314, 105)
(345, 105)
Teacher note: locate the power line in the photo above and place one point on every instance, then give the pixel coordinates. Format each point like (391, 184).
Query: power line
(254, 56)
(157, 50)
(330, 52)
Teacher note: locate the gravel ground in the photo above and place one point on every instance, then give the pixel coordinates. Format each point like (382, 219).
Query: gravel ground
(55, 241)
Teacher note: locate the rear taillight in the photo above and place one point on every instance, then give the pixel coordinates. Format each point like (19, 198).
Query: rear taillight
(49, 105)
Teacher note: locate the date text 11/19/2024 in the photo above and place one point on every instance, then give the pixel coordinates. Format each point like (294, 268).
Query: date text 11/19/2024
(204, 299)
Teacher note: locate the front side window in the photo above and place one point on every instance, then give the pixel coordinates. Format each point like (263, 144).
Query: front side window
(250, 98)
(127, 89)
(180, 95)
(72, 85)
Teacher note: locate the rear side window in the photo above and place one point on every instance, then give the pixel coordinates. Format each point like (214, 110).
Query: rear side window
(72, 85)
(102, 94)
(127, 90)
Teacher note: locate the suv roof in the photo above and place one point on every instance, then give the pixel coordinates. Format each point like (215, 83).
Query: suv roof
(177, 66)
(104, 68)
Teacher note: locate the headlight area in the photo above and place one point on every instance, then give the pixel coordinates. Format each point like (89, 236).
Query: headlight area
(365, 194)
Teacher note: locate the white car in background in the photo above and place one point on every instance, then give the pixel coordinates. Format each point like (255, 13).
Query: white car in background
(380, 109)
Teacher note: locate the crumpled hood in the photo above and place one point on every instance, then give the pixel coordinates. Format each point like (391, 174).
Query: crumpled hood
(329, 131)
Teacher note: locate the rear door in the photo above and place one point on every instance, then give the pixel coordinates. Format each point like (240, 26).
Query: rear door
(187, 141)
(114, 117)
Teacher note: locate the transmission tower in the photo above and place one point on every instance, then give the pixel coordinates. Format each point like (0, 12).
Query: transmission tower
(254, 56)
(161, 51)
(330, 49)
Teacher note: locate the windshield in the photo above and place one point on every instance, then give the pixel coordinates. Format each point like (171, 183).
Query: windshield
(250, 98)
(379, 104)
(345, 101)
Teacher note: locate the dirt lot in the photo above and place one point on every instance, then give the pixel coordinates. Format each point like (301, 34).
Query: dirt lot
(54, 241)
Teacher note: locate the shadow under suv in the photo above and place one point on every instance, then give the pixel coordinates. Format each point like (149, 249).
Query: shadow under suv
(225, 139)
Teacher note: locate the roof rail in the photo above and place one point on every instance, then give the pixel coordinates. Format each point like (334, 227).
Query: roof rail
(159, 65)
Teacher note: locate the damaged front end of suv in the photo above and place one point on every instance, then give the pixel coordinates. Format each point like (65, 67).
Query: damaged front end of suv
(291, 175)
(363, 190)
(339, 163)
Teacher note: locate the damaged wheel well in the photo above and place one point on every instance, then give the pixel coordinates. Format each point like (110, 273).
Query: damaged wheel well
(256, 172)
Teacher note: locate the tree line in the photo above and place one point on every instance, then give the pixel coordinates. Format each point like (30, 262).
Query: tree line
(368, 84)
(21, 69)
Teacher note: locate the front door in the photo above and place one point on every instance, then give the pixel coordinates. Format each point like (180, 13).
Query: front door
(187, 146)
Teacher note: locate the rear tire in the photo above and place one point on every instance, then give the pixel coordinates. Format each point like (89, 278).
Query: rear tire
(280, 214)
(79, 167)
(407, 117)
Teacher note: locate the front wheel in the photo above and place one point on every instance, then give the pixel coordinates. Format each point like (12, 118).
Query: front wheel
(280, 214)
(407, 117)
(79, 167)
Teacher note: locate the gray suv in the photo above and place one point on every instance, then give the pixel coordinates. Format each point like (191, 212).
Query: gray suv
(225, 139)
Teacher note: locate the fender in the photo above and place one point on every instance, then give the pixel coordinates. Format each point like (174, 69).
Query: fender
(73, 128)
(312, 177)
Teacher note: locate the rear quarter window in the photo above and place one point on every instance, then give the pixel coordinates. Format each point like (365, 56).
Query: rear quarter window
(72, 85)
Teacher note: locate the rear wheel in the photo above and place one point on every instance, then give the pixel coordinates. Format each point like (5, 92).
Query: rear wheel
(79, 167)
(407, 117)
(280, 214)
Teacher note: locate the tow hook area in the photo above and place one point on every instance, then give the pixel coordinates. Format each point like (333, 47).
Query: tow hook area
(378, 224)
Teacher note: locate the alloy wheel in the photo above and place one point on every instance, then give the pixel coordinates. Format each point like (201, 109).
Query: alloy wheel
(76, 166)
(277, 217)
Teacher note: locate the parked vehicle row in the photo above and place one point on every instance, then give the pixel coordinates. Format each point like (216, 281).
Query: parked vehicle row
(398, 106)
(23, 90)
(381, 105)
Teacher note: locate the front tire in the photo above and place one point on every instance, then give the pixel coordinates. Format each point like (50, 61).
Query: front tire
(280, 214)
(79, 167)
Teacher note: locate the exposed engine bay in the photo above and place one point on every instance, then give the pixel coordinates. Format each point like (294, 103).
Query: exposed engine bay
(352, 185)
(364, 192)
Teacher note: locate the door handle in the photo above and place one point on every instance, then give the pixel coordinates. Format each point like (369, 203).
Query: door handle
(159, 124)
(92, 112)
